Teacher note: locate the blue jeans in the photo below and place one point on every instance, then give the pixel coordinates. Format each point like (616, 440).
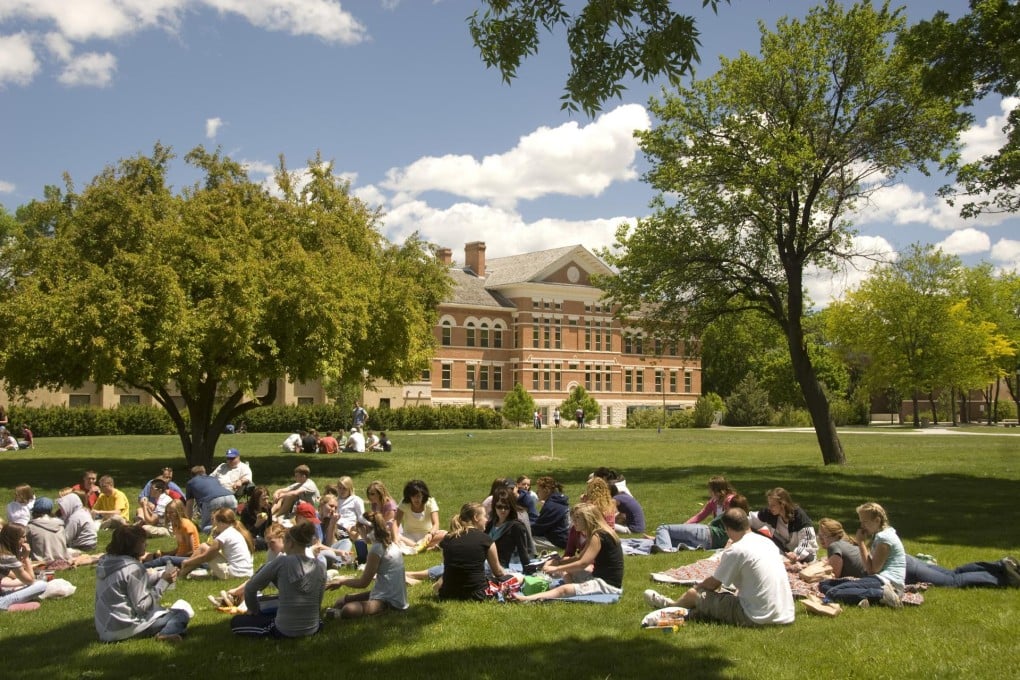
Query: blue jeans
(974, 574)
(174, 622)
(163, 561)
(30, 592)
(852, 590)
(212, 505)
(670, 537)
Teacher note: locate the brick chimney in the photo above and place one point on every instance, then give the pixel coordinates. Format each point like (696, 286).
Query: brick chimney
(474, 257)
(445, 256)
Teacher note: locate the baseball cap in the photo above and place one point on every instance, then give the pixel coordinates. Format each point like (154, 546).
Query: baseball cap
(307, 510)
(233, 453)
(43, 505)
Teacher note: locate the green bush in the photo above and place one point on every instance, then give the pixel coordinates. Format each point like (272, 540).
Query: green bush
(61, 421)
(748, 405)
(789, 416)
(705, 409)
(1007, 410)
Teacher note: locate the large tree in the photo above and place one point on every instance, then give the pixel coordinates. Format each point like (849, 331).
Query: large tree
(609, 42)
(215, 293)
(976, 56)
(920, 333)
(757, 167)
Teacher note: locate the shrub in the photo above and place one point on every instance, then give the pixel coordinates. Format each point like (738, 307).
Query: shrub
(748, 405)
(705, 409)
(789, 416)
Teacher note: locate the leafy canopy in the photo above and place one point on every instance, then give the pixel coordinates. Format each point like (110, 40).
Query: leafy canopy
(218, 291)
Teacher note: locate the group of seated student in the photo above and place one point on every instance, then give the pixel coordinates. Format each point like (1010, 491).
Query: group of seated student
(358, 440)
(306, 533)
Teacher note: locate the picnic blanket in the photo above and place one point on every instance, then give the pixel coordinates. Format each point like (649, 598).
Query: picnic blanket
(696, 572)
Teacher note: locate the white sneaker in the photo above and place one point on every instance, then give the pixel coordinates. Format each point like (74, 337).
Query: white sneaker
(198, 573)
(657, 600)
(890, 598)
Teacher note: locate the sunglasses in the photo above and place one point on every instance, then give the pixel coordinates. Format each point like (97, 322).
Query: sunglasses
(502, 507)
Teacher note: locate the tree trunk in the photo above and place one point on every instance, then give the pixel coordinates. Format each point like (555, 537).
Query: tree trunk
(817, 402)
(917, 408)
(934, 408)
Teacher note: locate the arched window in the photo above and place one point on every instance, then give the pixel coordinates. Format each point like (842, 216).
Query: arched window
(447, 334)
(484, 335)
(470, 334)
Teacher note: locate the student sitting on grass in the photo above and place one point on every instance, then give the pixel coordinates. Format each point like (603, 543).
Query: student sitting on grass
(466, 549)
(418, 519)
(128, 595)
(79, 531)
(228, 553)
(274, 536)
(386, 565)
(602, 551)
(792, 529)
(300, 580)
(185, 533)
(884, 563)
(16, 562)
(551, 528)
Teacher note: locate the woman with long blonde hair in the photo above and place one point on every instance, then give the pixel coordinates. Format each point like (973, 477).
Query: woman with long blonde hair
(228, 553)
(466, 550)
(884, 560)
(185, 533)
(602, 552)
(385, 565)
(597, 493)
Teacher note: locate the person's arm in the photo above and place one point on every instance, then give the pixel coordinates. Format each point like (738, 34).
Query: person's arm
(706, 510)
(709, 584)
(143, 597)
(807, 544)
(492, 556)
(260, 580)
(587, 556)
(362, 581)
(201, 556)
(835, 563)
(875, 557)
(435, 523)
(24, 571)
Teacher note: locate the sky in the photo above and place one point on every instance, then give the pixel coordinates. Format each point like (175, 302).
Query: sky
(394, 94)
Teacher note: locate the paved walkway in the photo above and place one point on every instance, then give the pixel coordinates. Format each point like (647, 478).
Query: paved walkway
(897, 430)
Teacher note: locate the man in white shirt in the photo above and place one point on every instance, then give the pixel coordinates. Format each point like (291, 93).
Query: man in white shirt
(234, 474)
(292, 444)
(355, 442)
(753, 566)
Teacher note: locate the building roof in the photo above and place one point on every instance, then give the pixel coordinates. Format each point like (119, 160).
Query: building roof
(468, 289)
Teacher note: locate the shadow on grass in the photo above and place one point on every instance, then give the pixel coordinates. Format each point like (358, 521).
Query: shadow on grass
(355, 647)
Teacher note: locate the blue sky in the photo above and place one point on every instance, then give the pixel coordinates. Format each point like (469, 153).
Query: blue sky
(395, 94)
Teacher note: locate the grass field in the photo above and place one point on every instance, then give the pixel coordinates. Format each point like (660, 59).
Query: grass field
(951, 495)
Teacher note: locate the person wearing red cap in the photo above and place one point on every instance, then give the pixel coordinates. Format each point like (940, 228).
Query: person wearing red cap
(305, 512)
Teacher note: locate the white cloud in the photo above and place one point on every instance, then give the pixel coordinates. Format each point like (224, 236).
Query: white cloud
(569, 159)
(324, 19)
(6, 187)
(18, 64)
(824, 286)
(212, 126)
(258, 167)
(370, 195)
(965, 242)
(89, 69)
(1006, 253)
(504, 231)
(59, 46)
(986, 139)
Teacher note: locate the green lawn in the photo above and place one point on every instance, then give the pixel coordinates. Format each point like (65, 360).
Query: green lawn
(951, 495)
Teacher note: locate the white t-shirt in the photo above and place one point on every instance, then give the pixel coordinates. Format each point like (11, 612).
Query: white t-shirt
(290, 442)
(351, 510)
(357, 442)
(415, 525)
(228, 476)
(755, 568)
(235, 551)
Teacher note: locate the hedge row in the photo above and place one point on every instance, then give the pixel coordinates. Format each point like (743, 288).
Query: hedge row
(60, 421)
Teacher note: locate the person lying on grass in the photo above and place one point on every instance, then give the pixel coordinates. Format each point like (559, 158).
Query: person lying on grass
(386, 565)
(602, 551)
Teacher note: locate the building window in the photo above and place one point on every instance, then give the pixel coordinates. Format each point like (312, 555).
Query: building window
(558, 376)
(426, 375)
(130, 400)
(547, 377)
(384, 403)
(609, 380)
(535, 304)
(447, 334)
(587, 335)
(79, 400)
(628, 380)
(628, 344)
(484, 332)
(470, 334)
(546, 333)
(497, 378)
(598, 336)
(483, 377)
(534, 376)
(534, 332)
(607, 329)
(639, 380)
(688, 381)
(559, 333)
(658, 380)
(609, 415)
(471, 384)
(587, 377)
(658, 347)
(447, 376)
(639, 345)
(672, 381)
(497, 337)
(305, 401)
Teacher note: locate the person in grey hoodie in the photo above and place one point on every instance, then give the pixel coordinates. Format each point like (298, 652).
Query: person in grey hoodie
(301, 582)
(79, 530)
(127, 595)
(46, 533)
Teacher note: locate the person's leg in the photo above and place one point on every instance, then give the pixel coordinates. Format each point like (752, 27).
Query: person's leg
(29, 592)
(355, 609)
(169, 627)
(253, 625)
(853, 591)
(566, 590)
(919, 571)
(981, 574)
